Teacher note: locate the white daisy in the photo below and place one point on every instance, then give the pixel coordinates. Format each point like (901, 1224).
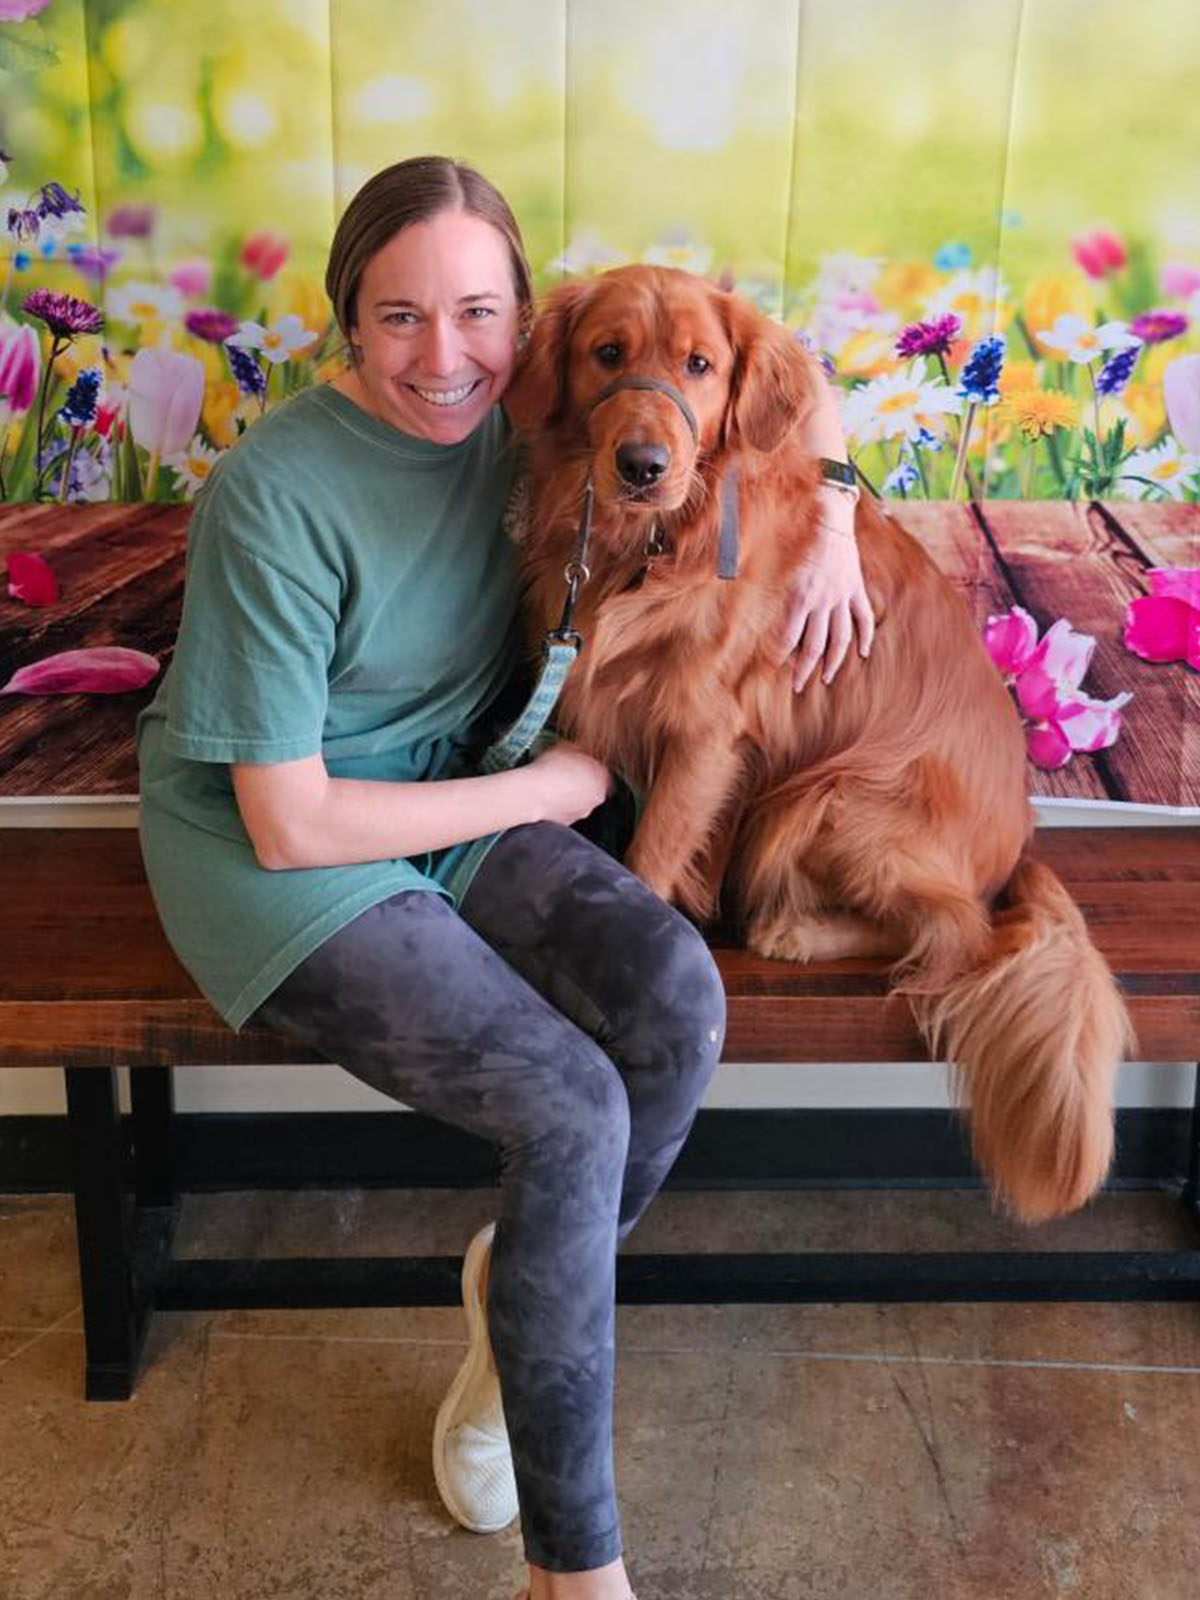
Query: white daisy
(137, 302)
(1077, 340)
(193, 466)
(279, 342)
(899, 404)
(1168, 467)
(972, 296)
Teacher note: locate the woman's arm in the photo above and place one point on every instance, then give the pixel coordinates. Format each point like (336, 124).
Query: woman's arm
(298, 816)
(827, 601)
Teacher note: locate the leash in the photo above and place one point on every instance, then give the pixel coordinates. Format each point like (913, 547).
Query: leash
(561, 645)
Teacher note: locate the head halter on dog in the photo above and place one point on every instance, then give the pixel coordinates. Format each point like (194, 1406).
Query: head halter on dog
(727, 543)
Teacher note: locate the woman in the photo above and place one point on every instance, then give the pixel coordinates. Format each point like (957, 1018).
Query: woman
(325, 862)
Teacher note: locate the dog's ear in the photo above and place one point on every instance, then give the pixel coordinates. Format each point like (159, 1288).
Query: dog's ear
(537, 391)
(774, 379)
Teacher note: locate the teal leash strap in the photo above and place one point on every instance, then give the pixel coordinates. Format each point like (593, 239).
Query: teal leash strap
(509, 749)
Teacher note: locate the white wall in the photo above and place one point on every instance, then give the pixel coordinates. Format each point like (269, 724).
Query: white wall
(317, 1088)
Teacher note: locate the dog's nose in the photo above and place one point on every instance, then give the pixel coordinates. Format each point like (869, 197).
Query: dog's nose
(642, 464)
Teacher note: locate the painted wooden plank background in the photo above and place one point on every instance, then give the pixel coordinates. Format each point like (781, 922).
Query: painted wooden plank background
(120, 571)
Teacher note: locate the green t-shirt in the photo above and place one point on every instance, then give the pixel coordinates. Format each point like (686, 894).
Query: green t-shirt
(350, 592)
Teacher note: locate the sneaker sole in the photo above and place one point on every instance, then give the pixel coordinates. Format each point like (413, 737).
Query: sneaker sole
(473, 1366)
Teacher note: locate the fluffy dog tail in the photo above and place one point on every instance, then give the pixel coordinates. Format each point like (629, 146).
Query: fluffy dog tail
(1034, 1032)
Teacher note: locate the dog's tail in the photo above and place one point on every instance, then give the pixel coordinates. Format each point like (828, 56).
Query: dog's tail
(1034, 1031)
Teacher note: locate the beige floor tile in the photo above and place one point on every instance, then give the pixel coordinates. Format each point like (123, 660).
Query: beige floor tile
(39, 1279)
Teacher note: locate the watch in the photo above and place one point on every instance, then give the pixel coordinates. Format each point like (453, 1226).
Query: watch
(839, 475)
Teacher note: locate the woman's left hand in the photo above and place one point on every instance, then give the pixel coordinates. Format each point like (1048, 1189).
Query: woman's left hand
(827, 605)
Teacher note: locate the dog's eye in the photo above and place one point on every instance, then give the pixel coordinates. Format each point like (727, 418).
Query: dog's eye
(609, 354)
(697, 364)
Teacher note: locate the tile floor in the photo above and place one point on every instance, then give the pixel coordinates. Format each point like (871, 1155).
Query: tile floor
(763, 1453)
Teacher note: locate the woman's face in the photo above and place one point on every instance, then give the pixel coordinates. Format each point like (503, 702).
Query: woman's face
(436, 330)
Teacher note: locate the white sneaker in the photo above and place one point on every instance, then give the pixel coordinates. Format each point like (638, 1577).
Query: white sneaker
(472, 1460)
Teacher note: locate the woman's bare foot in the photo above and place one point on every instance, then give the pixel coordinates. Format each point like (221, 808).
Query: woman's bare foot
(601, 1583)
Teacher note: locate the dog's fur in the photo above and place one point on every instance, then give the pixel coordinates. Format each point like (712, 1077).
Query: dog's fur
(884, 814)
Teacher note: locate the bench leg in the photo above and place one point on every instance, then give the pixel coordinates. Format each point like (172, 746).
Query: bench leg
(1191, 1189)
(152, 1102)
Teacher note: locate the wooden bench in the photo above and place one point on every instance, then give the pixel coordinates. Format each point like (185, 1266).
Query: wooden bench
(88, 983)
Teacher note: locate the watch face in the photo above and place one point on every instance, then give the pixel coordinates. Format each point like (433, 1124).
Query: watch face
(837, 471)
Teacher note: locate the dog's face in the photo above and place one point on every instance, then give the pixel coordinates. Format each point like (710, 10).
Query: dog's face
(743, 379)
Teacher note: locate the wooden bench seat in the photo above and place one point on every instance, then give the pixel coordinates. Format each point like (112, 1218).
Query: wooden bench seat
(88, 983)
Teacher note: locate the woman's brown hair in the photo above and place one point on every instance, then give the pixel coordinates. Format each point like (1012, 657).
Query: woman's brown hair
(413, 191)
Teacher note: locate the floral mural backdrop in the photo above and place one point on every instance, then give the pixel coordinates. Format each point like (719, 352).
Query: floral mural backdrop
(985, 219)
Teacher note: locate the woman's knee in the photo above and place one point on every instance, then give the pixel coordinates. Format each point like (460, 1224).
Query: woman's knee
(680, 999)
(577, 1115)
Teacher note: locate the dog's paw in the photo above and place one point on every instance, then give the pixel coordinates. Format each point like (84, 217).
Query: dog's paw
(780, 940)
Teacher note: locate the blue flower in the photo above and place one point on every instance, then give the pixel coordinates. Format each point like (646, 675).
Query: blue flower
(901, 479)
(952, 257)
(247, 373)
(79, 408)
(928, 441)
(981, 375)
(1117, 371)
(21, 260)
(54, 201)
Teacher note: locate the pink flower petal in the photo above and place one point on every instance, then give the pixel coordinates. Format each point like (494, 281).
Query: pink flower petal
(1048, 746)
(1176, 583)
(1038, 694)
(103, 669)
(1064, 654)
(1092, 724)
(31, 578)
(1161, 629)
(1010, 639)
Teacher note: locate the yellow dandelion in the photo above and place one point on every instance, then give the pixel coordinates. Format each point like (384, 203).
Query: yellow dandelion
(1037, 412)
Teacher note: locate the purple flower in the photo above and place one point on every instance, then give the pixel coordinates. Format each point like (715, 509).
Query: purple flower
(207, 322)
(54, 201)
(247, 373)
(63, 314)
(1117, 371)
(79, 408)
(929, 338)
(93, 264)
(131, 222)
(1156, 327)
(981, 375)
(23, 222)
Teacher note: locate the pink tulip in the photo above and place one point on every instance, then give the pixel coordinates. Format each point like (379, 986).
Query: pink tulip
(20, 363)
(1165, 624)
(1181, 396)
(1179, 281)
(192, 278)
(1010, 640)
(166, 392)
(31, 578)
(263, 254)
(103, 669)
(1100, 253)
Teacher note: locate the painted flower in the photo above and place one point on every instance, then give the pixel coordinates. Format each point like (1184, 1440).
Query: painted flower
(131, 222)
(1074, 339)
(101, 669)
(1165, 624)
(263, 254)
(1045, 676)
(929, 338)
(898, 404)
(1100, 253)
(192, 278)
(277, 343)
(138, 302)
(1179, 281)
(901, 479)
(1117, 371)
(194, 465)
(93, 264)
(211, 324)
(63, 314)
(1166, 467)
(54, 201)
(1156, 327)
(587, 252)
(82, 402)
(977, 297)
(680, 250)
(247, 373)
(980, 381)
(952, 257)
(20, 10)
(1035, 413)
(20, 365)
(1181, 395)
(31, 578)
(166, 391)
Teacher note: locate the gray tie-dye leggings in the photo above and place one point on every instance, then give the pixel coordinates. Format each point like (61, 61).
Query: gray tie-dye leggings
(572, 1018)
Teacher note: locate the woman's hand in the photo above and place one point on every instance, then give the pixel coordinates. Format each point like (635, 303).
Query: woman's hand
(827, 601)
(570, 783)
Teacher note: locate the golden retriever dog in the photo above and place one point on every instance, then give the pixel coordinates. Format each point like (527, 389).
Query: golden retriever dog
(882, 814)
